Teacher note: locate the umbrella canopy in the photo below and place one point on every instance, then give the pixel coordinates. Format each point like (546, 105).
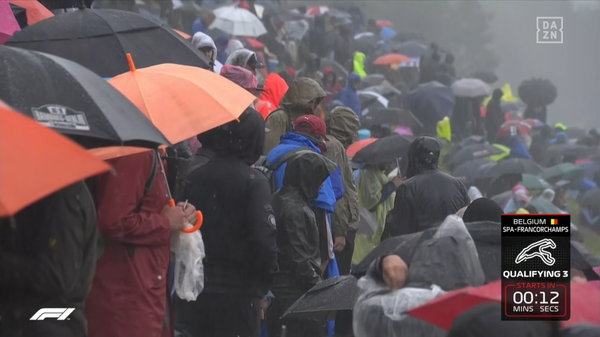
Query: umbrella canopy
(69, 98)
(99, 40)
(367, 225)
(316, 10)
(384, 23)
(339, 70)
(450, 305)
(384, 150)
(532, 182)
(487, 76)
(486, 235)
(502, 198)
(20, 14)
(571, 150)
(471, 87)
(371, 100)
(323, 301)
(563, 171)
(576, 132)
(443, 310)
(237, 21)
(389, 59)
(35, 11)
(8, 23)
(170, 94)
(252, 43)
(371, 80)
(470, 170)
(391, 116)
(26, 148)
(411, 48)
(358, 145)
(514, 166)
(474, 151)
(431, 102)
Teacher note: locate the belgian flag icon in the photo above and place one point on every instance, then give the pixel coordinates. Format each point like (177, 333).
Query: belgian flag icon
(554, 221)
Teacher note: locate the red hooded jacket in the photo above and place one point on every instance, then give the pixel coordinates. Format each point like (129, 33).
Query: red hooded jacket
(129, 292)
(274, 90)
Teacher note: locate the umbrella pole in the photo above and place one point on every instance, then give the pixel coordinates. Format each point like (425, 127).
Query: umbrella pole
(162, 169)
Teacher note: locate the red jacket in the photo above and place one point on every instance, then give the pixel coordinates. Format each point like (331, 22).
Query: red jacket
(274, 90)
(128, 295)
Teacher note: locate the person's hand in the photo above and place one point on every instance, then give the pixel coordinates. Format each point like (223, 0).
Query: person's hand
(397, 181)
(394, 271)
(264, 304)
(176, 216)
(189, 211)
(339, 243)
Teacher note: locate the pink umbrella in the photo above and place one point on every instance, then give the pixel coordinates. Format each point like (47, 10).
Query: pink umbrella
(403, 130)
(8, 23)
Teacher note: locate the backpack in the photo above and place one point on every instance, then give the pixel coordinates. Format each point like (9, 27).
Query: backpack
(268, 169)
(102, 241)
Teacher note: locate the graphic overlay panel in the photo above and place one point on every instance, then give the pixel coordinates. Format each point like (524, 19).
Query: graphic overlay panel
(536, 265)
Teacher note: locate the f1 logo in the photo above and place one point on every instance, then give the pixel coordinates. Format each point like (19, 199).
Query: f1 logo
(60, 314)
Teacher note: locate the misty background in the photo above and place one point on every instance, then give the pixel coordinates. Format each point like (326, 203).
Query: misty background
(501, 35)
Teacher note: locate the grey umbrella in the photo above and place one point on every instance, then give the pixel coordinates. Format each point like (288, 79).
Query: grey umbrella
(323, 301)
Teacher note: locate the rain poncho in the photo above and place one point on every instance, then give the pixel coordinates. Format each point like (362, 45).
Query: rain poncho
(370, 186)
(348, 95)
(270, 98)
(240, 76)
(446, 262)
(201, 40)
(359, 64)
(517, 149)
(293, 105)
(342, 125)
(240, 57)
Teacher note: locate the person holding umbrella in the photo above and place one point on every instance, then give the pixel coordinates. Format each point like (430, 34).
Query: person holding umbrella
(136, 221)
(428, 195)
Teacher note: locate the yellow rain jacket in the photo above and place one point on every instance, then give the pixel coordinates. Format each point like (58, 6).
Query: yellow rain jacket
(443, 129)
(359, 64)
(370, 182)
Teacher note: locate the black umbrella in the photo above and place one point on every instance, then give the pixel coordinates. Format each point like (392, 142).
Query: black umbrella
(474, 151)
(576, 132)
(487, 76)
(323, 301)
(72, 100)
(100, 40)
(471, 170)
(410, 48)
(570, 150)
(20, 14)
(514, 166)
(384, 150)
(338, 69)
(502, 198)
(391, 116)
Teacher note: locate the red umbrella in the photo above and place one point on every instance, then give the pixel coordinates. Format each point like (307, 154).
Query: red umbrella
(443, 310)
(384, 23)
(514, 128)
(359, 145)
(389, 59)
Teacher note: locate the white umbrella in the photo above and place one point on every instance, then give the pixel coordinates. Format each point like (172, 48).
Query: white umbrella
(470, 87)
(237, 21)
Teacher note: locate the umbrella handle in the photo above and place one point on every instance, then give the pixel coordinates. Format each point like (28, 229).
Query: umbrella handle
(198, 224)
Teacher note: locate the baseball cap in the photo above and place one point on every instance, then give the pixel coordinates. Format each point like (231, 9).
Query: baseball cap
(254, 62)
(312, 125)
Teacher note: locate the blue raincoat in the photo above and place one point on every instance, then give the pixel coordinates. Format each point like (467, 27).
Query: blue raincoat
(517, 149)
(349, 96)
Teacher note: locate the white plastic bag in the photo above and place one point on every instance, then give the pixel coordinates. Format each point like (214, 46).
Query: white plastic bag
(189, 271)
(379, 312)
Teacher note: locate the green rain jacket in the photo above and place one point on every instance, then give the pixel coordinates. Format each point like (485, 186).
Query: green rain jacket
(370, 183)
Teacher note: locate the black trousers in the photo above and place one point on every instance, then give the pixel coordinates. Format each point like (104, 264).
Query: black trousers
(343, 319)
(294, 327)
(217, 315)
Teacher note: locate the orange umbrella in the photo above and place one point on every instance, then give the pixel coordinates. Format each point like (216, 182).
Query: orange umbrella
(359, 145)
(37, 161)
(34, 10)
(182, 101)
(111, 152)
(182, 34)
(389, 59)
(384, 23)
